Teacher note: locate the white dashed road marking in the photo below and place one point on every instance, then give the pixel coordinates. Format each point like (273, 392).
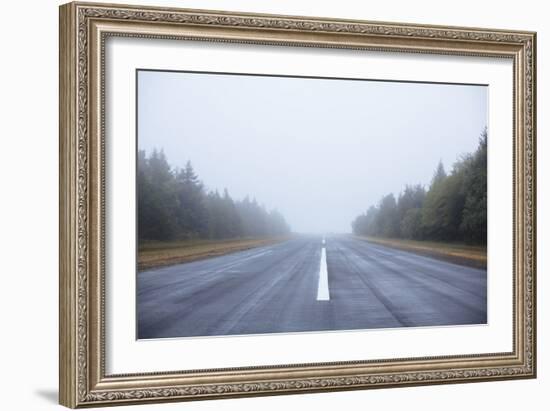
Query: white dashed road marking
(322, 291)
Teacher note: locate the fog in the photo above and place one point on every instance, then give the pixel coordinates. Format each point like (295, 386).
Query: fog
(320, 151)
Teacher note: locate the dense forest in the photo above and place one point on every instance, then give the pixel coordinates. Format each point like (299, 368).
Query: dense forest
(173, 204)
(452, 209)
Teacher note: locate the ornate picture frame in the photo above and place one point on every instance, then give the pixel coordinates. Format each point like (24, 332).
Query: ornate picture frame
(84, 30)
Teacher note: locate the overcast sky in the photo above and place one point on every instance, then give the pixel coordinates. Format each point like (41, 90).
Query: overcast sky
(319, 151)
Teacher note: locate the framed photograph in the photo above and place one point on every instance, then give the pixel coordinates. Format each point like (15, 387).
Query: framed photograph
(260, 204)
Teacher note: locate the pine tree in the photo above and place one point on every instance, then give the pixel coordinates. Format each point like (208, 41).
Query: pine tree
(173, 204)
(474, 215)
(439, 174)
(453, 209)
(158, 198)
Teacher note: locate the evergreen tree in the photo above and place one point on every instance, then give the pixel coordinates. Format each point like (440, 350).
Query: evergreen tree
(474, 215)
(441, 214)
(409, 207)
(173, 204)
(411, 224)
(453, 209)
(158, 194)
(232, 220)
(439, 175)
(388, 217)
(192, 212)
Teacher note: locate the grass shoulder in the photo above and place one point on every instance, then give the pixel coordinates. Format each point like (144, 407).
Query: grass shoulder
(154, 254)
(458, 253)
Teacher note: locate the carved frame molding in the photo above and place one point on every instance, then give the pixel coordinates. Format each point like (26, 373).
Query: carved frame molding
(83, 30)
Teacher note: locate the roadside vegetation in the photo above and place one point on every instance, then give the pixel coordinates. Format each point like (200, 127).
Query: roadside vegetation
(453, 209)
(179, 219)
(464, 254)
(153, 254)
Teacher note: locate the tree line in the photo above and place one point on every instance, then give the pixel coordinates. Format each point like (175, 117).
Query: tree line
(453, 208)
(173, 204)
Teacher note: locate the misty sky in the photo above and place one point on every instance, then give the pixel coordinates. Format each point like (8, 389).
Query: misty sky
(319, 151)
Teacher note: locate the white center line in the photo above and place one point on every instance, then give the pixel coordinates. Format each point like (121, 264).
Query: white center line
(322, 291)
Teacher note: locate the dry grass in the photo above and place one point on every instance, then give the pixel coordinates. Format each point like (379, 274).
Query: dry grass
(475, 256)
(158, 254)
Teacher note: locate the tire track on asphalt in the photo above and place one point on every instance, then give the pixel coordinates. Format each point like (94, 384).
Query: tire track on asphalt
(392, 309)
(427, 271)
(213, 290)
(452, 297)
(252, 300)
(173, 277)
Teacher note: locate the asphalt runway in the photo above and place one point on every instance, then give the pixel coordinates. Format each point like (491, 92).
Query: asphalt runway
(287, 287)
